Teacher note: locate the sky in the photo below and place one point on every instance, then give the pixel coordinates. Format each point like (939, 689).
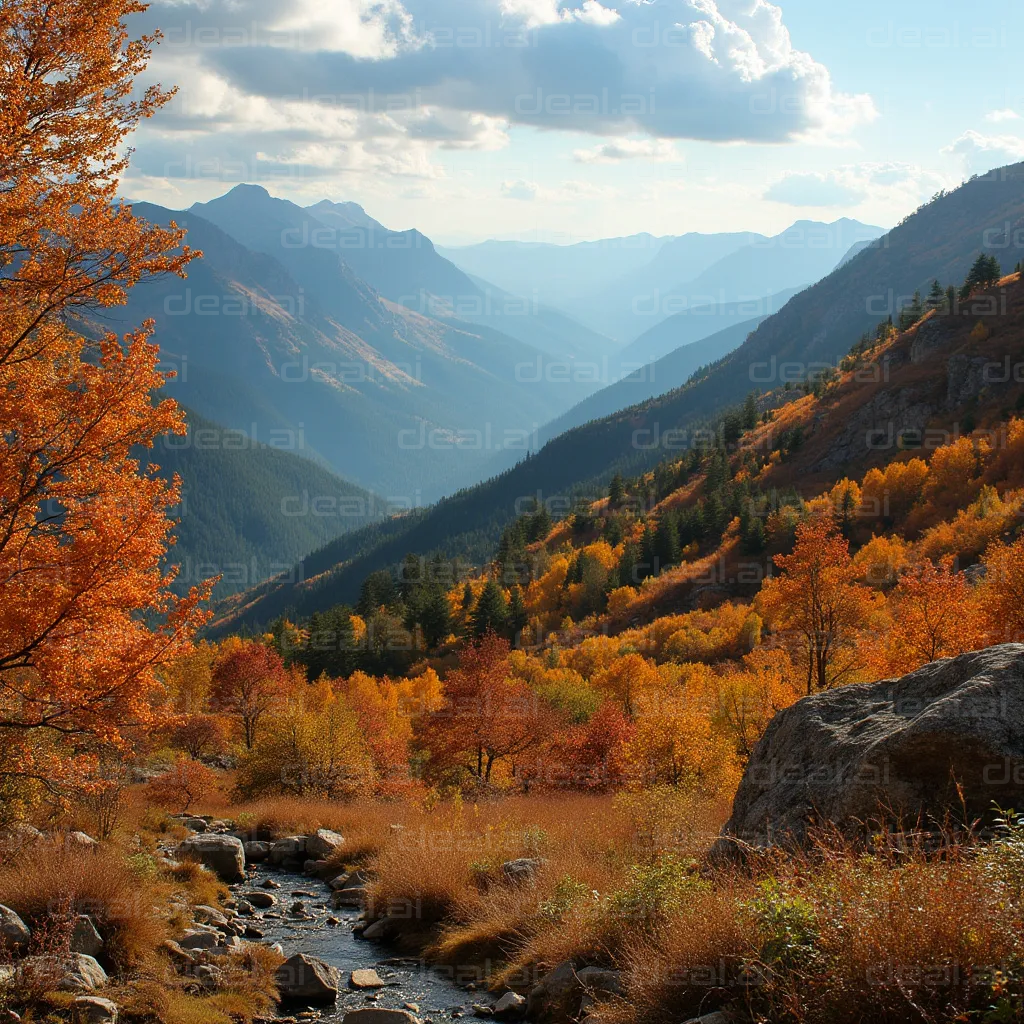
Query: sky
(567, 120)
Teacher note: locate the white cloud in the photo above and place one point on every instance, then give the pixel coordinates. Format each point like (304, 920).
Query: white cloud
(981, 153)
(617, 150)
(998, 116)
(897, 184)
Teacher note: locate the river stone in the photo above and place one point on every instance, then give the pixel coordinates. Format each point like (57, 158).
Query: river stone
(351, 897)
(350, 880)
(378, 1015)
(209, 915)
(222, 854)
(263, 900)
(291, 848)
(511, 1006)
(85, 938)
(93, 1010)
(383, 929)
(256, 851)
(365, 977)
(322, 843)
(13, 931)
(200, 937)
(841, 756)
(307, 979)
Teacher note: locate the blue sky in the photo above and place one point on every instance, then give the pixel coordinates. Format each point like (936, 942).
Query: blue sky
(573, 119)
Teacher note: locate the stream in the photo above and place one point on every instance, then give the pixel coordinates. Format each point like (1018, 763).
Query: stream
(407, 980)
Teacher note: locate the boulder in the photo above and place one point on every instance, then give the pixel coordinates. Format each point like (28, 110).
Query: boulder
(178, 956)
(354, 896)
(209, 915)
(315, 868)
(196, 824)
(200, 937)
(256, 852)
(289, 849)
(80, 841)
(365, 977)
(902, 749)
(383, 929)
(522, 870)
(306, 979)
(556, 996)
(378, 1015)
(93, 1010)
(73, 972)
(19, 835)
(14, 932)
(511, 1006)
(224, 855)
(85, 938)
(322, 843)
(349, 880)
(209, 976)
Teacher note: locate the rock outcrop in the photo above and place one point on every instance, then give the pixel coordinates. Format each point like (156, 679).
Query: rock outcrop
(908, 749)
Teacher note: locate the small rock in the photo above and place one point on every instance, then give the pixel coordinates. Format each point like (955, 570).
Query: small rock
(80, 841)
(365, 977)
(304, 978)
(93, 1010)
(13, 931)
(208, 976)
(382, 929)
(332, 922)
(246, 909)
(201, 937)
(177, 954)
(353, 897)
(208, 915)
(196, 824)
(269, 883)
(256, 852)
(479, 1010)
(263, 900)
(291, 848)
(322, 843)
(378, 1015)
(521, 871)
(252, 933)
(511, 1006)
(413, 1007)
(85, 938)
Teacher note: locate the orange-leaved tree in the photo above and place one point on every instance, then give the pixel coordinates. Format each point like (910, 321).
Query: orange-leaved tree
(818, 603)
(935, 614)
(1002, 593)
(85, 611)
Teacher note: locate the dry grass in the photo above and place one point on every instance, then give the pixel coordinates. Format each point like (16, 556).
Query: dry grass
(49, 886)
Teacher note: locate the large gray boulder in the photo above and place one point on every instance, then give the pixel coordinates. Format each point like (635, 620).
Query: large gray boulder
(93, 1010)
(222, 854)
(906, 750)
(85, 938)
(14, 932)
(288, 850)
(560, 994)
(306, 979)
(72, 972)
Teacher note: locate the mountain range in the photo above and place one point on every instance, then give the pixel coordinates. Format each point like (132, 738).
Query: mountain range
(814, 329)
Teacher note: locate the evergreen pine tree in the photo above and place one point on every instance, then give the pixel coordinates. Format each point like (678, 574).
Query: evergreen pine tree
(750, 412)
(666, 541)
(616, 491)
(937, 295)
(435, 616)
(517, 617)
(491, 611)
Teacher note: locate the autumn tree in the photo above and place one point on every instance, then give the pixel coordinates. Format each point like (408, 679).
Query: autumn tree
(487, 718)
(934, 614)
(249, 681)
(818, 602)
(1003, 591)
(85, 609)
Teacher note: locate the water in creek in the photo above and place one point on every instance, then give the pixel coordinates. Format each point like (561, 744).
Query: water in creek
(439, 992)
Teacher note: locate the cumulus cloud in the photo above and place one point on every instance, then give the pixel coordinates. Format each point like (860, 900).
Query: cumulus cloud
(981, 153)
(719, 70)
(617, 150)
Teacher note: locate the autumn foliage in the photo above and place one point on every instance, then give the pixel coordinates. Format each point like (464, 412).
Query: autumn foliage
(85, 611)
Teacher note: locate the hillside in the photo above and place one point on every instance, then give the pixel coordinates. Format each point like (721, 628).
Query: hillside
(290, 339)
(820, 324)
(249, 510)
